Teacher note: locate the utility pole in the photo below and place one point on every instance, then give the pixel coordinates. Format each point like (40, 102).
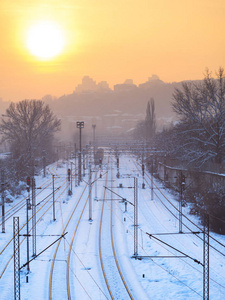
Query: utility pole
(118, 166)
(94, 146)
(80, 125)
(206, 258)
(69, 179)
(84, 158)
(182, 184)
(53, 196)
(3, 200)
(96, 183)
(75, 161)
(135, 216)
(16, 251)
(34, 216)
(27, 208)
(90, 194)
(152, 178)
(44, 163)
(143, 176)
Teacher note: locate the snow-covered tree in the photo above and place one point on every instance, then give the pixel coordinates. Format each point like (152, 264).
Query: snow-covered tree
(201, 108)
(28, 126)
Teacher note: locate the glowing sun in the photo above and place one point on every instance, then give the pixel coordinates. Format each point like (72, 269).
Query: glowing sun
(45, 40)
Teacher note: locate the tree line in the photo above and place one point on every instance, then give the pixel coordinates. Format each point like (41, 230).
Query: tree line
(196, 141)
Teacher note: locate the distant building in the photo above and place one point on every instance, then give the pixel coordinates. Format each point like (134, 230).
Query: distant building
(153, 80)
(103, 86)
(128, 85)
(89, 85)
(153, 77)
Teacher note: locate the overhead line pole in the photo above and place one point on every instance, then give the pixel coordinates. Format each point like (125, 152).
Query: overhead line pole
(53, 196)
(80, 125)
(90, 194)
(206, 258)
(16, 245)
(34, 216)
(135, 216)
(3, 200)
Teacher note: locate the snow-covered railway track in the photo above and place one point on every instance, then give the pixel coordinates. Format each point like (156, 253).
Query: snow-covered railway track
(41, 211)
(187, 223)
(164, 206)
(22, 203)
(114, 279)
(54, 287)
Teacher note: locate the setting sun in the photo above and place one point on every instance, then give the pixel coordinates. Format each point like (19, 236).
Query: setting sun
(45, 40)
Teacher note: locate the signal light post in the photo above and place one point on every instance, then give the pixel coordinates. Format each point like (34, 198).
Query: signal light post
(80, 125)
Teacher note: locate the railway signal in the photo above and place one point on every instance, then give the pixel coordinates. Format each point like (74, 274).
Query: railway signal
(69, 175)
(182, 179)
(28, 184)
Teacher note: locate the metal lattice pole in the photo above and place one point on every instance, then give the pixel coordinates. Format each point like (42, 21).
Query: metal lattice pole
(75, 166)
(206, 258)
(135, 216)
(80, 125)
(90, 194)
(180, 205)
(96, 185)
(3, 201)
(71, 178)
(152, 178)
(34, 217)
(53, 196)
(16, 245)
(27, 235)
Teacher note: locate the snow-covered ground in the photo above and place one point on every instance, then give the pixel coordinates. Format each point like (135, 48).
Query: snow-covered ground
(161, 272)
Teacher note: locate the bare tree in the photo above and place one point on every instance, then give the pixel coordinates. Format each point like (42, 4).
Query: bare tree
(201, 108)
(28, 126)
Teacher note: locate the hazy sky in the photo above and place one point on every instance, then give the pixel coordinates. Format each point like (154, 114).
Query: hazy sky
(108, 40)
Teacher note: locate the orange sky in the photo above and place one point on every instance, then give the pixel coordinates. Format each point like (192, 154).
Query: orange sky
(110, 40)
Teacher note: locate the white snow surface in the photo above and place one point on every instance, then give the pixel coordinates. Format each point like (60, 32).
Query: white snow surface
(150, 277)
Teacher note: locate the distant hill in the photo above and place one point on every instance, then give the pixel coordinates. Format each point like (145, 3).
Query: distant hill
(117, 110)
(114, 111)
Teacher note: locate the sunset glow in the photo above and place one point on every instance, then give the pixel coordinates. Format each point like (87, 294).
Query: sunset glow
(57, 43)
(45, 40)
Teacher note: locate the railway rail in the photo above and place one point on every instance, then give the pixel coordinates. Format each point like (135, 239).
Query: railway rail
(117, 286)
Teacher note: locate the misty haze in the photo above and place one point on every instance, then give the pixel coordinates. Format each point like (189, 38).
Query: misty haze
(112, 150)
